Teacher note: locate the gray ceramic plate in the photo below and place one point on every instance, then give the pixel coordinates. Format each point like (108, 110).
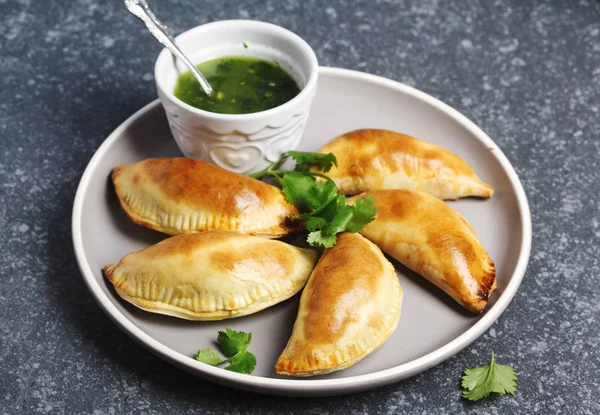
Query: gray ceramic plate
(432, 327)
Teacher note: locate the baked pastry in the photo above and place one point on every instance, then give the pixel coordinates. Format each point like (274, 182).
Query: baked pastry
(211, 275)
(373, 159)
(349, 307)
(182, 195)
(435, 241)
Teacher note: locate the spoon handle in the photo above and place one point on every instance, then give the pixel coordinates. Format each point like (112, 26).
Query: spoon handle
(140, 9)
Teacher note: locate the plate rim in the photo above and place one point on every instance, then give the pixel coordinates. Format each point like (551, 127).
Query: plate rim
(312, 387)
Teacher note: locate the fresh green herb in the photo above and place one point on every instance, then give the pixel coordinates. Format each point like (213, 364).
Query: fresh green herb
(209, 356)
(320, 205)
(306, 193)
(304, 160)
(479, 382)
(245, 46)
(234, 345)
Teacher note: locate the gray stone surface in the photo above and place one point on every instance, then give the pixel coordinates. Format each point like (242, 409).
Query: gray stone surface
(527, 72)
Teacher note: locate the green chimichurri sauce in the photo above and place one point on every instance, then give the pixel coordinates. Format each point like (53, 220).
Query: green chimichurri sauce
(241, 85)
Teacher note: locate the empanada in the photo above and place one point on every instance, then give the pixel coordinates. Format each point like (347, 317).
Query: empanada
(349, 307)
(211, 275)
(435, 241)
(373, 159)
(183, 195)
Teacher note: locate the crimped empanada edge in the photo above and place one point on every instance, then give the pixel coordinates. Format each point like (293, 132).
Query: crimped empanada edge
(308, 256)
(487, 285)
(351, 186)
(183, 313)
(276, 231)
(286, 366)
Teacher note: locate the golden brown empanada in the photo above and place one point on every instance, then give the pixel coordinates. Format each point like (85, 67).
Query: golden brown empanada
(183, 195)
(435, 241)
(349, 307)
(373, 159)
(211, 275)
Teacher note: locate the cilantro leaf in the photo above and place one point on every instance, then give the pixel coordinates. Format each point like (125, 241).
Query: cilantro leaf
(479, 382)
(315, 223)
(208, 356)
(233, 342)
(352, 218)
(340, 220)
(304, 160)
(243, 362)
(317, 238)
(323, 209)
(329, 212)
(234, 345)
(320, 205)
(305, 192)
(364, 212)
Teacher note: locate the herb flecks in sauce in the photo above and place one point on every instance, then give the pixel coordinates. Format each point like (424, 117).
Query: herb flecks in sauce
(241, 85)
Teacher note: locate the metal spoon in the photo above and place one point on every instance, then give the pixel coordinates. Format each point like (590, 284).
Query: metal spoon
(140, 9)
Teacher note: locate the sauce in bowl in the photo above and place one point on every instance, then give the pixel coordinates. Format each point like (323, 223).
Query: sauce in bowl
(241, 85)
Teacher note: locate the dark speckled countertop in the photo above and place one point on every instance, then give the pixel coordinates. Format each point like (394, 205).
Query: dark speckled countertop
(527, 72)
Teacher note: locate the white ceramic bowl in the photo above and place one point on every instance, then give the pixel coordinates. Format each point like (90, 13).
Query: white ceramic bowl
(244, 143)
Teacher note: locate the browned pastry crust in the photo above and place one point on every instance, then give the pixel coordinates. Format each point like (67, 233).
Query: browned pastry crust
(435, 241)
(183, 195)
(211, 275)
(372, 159)
(349, 307)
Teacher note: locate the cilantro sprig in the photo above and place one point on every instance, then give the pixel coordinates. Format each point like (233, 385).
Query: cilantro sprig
(234, 345)
(304, 160)
(320, 205)
(481, 381)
